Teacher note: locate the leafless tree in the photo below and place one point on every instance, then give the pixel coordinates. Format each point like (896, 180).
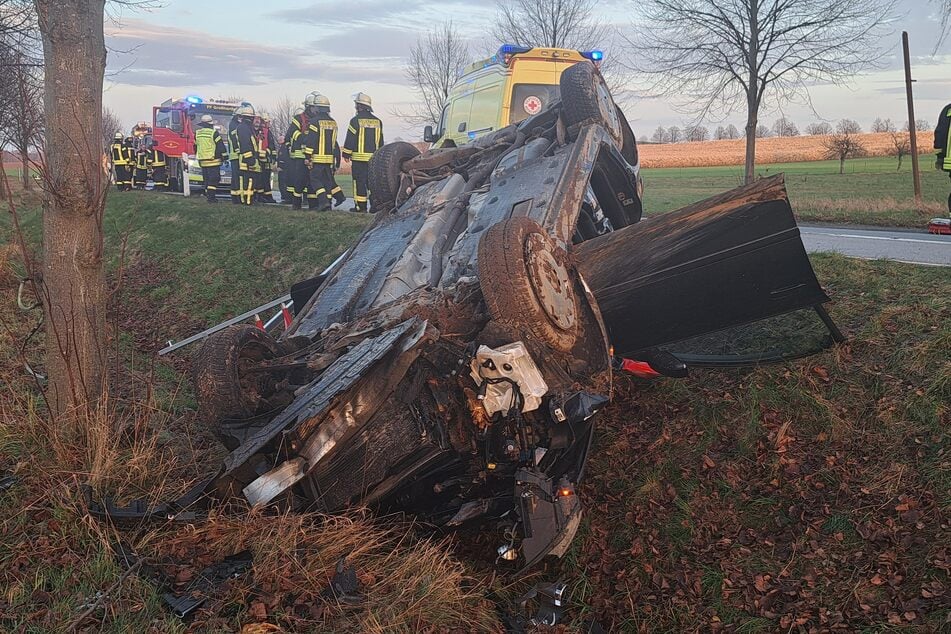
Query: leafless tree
(732, 132)
(696, 133)
(945, 7)
(22, 117)
(883, 125)
(75, 183)
(570, 24)
(281, 115)
(848, 126)
(674, 134)
(844, 144)
(819, 129)
(660, 135)
(921, 125)
(111, 123)
(719, 54)
(901, 146)
(435, 62)
(762, 132)
(783, 127)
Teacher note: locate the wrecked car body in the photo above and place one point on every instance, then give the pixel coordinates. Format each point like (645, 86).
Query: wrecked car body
(453, 364)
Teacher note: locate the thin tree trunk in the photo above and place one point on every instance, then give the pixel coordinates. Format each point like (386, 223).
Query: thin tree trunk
(73, 284)
(750, 165)
(25, 175)
(842, 165)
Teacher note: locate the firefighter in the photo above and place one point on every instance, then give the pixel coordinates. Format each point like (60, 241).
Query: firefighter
(210, 152)
(942, 143)
(364, 137)
(159, 163)
(283, 163)
(267, 158)
(244, 148)
(297, 176)
(320, 143)
(141, 174)
(120, 163)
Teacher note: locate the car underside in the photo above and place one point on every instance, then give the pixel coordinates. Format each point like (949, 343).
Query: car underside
(453, 363)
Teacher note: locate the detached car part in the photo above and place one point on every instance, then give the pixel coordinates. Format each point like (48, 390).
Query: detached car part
(453, 364)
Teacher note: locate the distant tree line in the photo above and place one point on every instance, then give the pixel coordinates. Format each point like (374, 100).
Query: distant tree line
(781, 127)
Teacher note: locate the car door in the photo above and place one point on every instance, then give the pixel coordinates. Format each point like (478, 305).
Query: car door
(725, 281)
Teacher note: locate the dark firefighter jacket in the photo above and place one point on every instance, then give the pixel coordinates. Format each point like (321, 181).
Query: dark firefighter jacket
(364, 137)
(266, 148)
(243, 147)
(320, 142)
(209, 146)
(942, 139)
(292, 138)
(157, 158)
(119, 154)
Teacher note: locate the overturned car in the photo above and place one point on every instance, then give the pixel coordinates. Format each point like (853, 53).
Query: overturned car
(453, 363)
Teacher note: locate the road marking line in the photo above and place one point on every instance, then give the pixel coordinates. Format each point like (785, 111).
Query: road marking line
(852, 235)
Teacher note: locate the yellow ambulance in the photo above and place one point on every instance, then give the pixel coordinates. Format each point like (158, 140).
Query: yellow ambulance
(510, 86)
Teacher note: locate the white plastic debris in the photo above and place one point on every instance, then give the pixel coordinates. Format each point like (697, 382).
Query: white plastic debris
(498, 369)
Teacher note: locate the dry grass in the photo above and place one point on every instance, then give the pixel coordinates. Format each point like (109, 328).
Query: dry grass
(769, 150)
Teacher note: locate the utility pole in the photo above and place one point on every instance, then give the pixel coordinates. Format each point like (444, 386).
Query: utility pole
(912, 129)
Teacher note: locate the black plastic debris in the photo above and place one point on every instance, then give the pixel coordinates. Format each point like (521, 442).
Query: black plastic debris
(138, 510)
(344, 585)
(184, 604)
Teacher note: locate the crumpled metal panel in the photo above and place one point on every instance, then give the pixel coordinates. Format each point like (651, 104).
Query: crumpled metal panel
(336, 379)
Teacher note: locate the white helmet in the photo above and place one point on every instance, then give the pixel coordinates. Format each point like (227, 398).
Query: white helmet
(244, 110)
(206, 118)
(363, 99)
(321, 101)
(118, 136)
(311, 99)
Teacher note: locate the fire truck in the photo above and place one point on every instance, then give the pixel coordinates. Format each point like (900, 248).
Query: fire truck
(173, 125)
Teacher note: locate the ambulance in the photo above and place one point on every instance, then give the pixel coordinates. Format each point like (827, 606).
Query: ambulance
(510, 86)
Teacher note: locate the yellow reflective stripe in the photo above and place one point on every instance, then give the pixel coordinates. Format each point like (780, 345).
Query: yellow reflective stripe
(247, 154)
(323, 159)
(209, 162)
(360, 199)
(335, 190)
(362, 157)
(350, 129)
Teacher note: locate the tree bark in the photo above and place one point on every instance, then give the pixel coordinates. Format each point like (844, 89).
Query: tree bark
(25, 174)
(75, 189)
(749, 172)
(842, 165)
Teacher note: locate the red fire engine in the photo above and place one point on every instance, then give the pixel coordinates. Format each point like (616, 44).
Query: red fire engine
(173, 126)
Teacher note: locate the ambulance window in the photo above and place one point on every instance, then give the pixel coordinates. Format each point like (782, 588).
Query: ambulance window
(484, 116)
(442, 121)
(459, 115)
(530, 99)
(162, 119)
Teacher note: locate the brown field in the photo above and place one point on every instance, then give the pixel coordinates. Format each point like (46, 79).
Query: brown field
(769, 150)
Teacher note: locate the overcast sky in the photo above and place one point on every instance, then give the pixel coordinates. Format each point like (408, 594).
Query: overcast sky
(262, 51)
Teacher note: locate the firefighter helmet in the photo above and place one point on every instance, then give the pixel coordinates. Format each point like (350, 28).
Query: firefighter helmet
(118, 136)
(298, 111)
(244, 110)
(321, 101)
(363, 99)
(206, 118)
(311, 99)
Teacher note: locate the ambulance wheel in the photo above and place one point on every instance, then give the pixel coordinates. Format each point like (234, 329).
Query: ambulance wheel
(385, 171)
(586, 98)
(225, 388)
(527, 284)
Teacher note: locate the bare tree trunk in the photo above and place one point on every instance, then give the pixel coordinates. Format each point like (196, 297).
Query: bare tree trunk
(73, 284)
(842, 165)
(750, 168)
(25, 176)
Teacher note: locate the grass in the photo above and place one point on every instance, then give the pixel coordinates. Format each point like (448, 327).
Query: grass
(827, 499)
(871, 192)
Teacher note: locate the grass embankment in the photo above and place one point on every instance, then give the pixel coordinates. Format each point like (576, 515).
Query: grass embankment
(812, 493)
(185, 260)
(871, 192)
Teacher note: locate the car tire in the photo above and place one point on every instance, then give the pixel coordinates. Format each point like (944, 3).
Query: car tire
(585, 99)
(384, 172)
(223, 389)
(517, 264)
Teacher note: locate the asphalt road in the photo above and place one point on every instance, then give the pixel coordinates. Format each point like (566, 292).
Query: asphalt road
(913, 247)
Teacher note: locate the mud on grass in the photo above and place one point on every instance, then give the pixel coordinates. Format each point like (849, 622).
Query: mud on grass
(792, 498)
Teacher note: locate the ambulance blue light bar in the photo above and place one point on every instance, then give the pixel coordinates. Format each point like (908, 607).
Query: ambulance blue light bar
(594, 56)
(512, 49)
(193, 99)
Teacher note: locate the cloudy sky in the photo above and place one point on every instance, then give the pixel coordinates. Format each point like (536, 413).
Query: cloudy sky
(262, 51)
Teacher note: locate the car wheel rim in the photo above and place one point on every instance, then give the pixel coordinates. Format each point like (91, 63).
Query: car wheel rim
(551, 282)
